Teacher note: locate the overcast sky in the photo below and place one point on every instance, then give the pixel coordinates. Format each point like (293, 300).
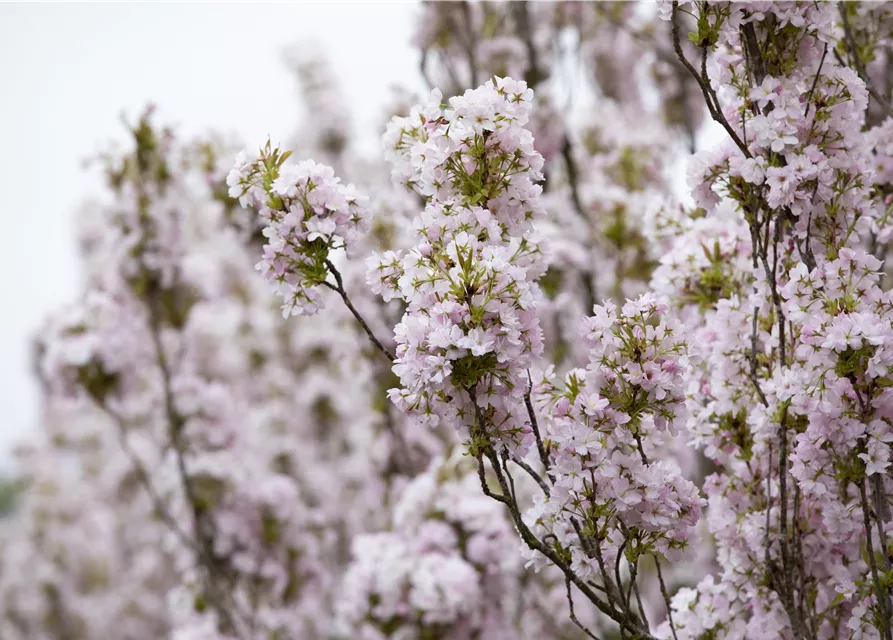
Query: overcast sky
(68, 71)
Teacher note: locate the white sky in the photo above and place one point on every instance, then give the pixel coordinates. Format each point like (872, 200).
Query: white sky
(68, 71)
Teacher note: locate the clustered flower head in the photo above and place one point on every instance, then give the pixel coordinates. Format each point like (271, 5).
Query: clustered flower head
(308, 214)
(607, 427)
(476, 151)
(470, 329)
(802, 124)
(449, 564)
(709, 261)
(845, 367)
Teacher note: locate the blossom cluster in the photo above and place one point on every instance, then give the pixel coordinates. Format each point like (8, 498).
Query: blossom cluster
(448, 565)
(844, 371)
(308, 213)
(607, 425)
(470, 329)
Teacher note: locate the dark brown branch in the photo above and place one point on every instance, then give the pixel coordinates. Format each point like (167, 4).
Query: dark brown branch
(471, 45)
(635, 584)
(545, 460)
(567, 153)
(338, 287)
(710, 97)
(815, 81)
(204, 529)
(570, 602)
(624, 599)
(522, 17)
(533, 474)
(754, 55)
(753, 358)
(879, 589)
(853, 49)
(666, 595)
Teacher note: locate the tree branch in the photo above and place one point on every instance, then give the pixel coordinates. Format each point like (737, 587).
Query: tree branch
(338, 287)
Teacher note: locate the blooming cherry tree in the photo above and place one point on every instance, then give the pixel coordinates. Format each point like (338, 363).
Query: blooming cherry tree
(535, 391)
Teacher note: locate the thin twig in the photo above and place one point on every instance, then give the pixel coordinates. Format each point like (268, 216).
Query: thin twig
(534, 425)
(660, 577)
(567, 153)
(853, 48)
(570, 601)
(635, 583)
(666, 595)
(533, 474)
(624, 600)
(338, 287)
(145, 479)
(815, 81)
(879, 589)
